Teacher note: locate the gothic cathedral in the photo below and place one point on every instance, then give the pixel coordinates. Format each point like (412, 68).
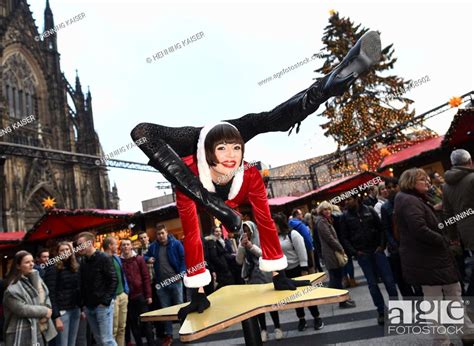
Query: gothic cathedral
(40, 130)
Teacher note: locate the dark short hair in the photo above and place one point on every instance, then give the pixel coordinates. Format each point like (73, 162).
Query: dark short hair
(296, 212)
(391, 181)
(142, 232)
(160, 226)
(107, 242)
(281, 220)
(222, 133)
(40, 251)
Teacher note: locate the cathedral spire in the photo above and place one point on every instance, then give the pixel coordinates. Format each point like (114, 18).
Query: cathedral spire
(48, 17)
(78, 84)
(49, 34)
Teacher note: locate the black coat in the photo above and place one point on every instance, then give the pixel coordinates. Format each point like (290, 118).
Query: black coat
(64, 289)
(98, 280)
(361, 230)
(424, 251)
(218, 261)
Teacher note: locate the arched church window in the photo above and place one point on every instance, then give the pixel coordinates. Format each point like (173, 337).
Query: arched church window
(20, 83)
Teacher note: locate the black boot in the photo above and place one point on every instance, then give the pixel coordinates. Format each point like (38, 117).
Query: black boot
(364, 54)
(282, 283)
(199, 303)
(176, 172)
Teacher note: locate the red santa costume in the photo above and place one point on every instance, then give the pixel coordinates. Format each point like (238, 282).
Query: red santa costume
(247, 188)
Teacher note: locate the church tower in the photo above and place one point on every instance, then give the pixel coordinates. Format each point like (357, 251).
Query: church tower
(34, 94)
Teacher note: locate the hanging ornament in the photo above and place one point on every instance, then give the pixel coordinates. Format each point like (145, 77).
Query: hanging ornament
(455, 101)
(364, 166)
(48, 203)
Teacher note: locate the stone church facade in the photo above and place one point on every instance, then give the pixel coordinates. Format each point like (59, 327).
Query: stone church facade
(34, 88)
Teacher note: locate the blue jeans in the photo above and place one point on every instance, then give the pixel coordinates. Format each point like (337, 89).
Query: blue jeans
(170, 295)
(71, 326)
(369, 264)
(100, 321)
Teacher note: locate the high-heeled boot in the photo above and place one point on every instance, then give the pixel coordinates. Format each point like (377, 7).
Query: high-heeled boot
(176, 172)
(284, 117)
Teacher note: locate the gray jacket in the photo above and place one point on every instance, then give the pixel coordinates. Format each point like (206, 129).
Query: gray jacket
(22, 314)
(458, 198)
(329, 242)
(249, 259)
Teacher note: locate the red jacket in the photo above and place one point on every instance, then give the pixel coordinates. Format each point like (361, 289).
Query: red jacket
(138, 279)
(249, 190)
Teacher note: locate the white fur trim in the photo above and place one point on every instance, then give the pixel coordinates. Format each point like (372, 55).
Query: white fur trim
(205, 171)
(267, 265)
(197, 280)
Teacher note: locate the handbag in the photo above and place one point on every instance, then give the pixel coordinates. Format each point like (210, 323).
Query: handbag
(341, 258)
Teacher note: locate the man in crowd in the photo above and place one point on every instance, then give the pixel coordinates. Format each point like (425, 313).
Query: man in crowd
(371, 199)
(110, 246)
(458, 199)
(138, 279)
(388, 223)
(142, 250)
(167, 255)
(297, 223)
(98, 284)
(362, 236)
(42, 258)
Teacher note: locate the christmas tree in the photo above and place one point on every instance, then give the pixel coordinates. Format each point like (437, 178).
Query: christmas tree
(368, 107)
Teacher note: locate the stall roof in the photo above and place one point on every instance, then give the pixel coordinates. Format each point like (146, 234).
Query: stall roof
(461, 130)
(339, 185)
(11, 239)
(409, 153)
(280, 200)
(61, 222)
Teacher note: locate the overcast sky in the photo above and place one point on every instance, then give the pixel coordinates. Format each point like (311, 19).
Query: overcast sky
(216, 77)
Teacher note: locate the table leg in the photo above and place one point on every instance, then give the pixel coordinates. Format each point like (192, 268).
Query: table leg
(252, 332)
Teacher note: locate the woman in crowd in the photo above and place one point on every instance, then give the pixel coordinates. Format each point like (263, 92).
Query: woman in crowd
(248, 255)
(219, 258)
(63, 281)
(382, 195)
(26, 304)
(348, 279)
(329, 246)
(292, 244)
(424, 249)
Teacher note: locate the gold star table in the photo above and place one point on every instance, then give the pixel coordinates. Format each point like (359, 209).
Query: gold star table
(242, 303)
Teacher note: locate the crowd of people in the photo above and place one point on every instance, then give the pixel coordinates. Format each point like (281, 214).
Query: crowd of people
(399, 235)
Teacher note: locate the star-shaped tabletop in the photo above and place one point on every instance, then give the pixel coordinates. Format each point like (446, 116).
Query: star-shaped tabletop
(235, 303)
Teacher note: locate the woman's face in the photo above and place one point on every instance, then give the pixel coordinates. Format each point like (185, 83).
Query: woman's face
(422, 184)
(326, 212)
(64, 251)
(247, 231)
(229, 158)
(384, 192)
(26, 265)
(217, 232)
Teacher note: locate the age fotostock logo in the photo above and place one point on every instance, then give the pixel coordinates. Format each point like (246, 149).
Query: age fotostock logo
(425, 317)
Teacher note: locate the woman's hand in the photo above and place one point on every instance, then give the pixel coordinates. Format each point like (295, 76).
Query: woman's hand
(59, 324)
(50, 312)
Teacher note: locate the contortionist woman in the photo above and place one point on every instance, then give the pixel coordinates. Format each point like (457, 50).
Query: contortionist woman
(206, 165)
